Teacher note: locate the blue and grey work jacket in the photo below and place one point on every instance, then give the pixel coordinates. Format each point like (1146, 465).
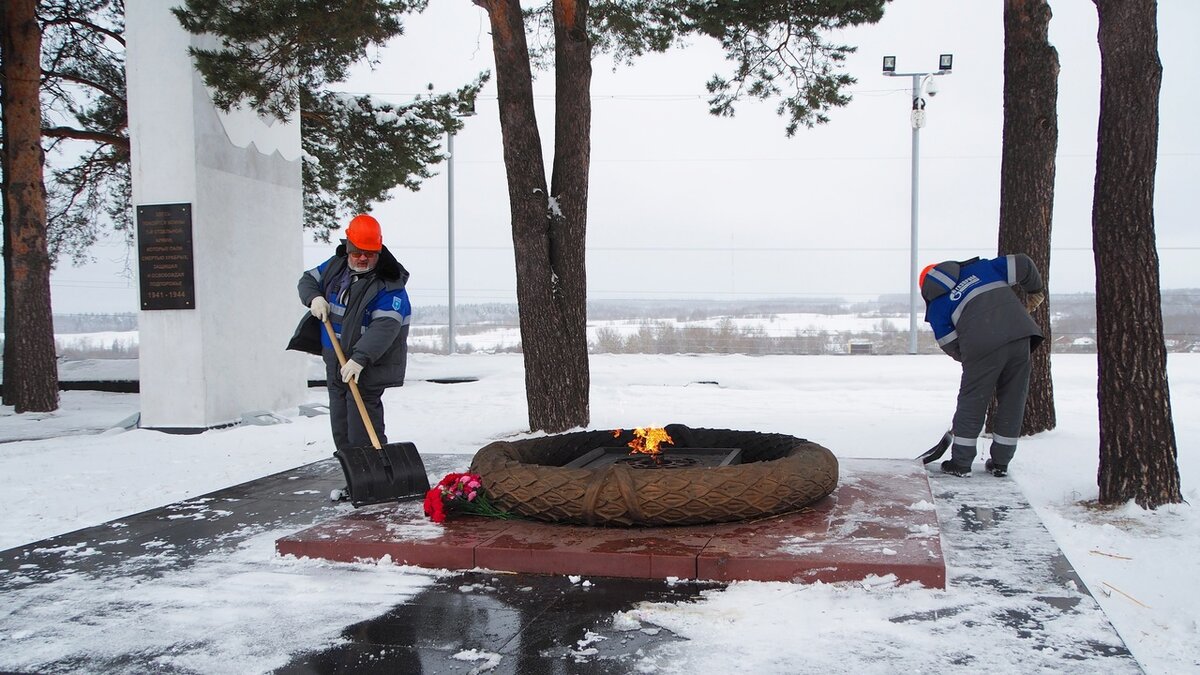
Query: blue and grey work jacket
(972, 309)
(370, 314)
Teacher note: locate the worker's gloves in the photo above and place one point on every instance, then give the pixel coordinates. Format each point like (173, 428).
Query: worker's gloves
(319, 308)
(1033, 301)
(351, 370)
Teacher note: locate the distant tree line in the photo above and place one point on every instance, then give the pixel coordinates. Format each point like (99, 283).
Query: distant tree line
(662, 337)
(658, 331)
(96, 349)
(94, 323)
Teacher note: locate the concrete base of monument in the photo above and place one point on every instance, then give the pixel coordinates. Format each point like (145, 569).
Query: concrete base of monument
(879, 522)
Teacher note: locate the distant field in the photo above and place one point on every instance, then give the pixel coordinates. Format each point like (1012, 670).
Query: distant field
(499, 338)
(781, 326)
(491, 337)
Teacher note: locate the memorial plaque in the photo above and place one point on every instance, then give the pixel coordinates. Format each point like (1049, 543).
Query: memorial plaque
(165, 273)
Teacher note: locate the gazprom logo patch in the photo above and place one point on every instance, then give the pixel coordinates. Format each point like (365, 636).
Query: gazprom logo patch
(397, 304)
(962, 287)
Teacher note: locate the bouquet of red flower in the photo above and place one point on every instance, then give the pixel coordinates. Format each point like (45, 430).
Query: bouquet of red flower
(460, 493)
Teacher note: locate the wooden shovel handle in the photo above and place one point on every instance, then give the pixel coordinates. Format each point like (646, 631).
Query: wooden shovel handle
(362, 408)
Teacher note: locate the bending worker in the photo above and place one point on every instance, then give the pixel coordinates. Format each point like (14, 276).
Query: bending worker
(361, 291)
(978, 320)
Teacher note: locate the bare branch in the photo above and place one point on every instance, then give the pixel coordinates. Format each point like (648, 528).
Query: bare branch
(84, 135)
(77, 79)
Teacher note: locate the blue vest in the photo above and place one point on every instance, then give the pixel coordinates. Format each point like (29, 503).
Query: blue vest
(973, 281)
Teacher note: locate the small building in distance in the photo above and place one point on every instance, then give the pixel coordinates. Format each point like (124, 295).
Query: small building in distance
(860, 346)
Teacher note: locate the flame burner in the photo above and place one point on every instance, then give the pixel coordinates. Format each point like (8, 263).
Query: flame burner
(675, 458)
(657, 462)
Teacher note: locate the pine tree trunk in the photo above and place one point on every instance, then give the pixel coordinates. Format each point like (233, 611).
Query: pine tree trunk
(568, 223)
(548, 234)
(4, 211)
(30, 369)
(1137, 435)
(1027, 173)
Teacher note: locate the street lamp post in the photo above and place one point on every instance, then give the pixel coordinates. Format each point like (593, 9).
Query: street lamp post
(450, 340)
(450, 242)
(919, 83)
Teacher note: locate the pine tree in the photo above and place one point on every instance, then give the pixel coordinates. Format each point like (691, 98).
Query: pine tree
(83, 86)
(83, 91)
(1027, 173)
(30, 368)
(1138, 452)
(778, 52)
(277, 56)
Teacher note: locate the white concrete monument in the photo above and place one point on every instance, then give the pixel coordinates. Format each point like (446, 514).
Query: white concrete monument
(218, 207)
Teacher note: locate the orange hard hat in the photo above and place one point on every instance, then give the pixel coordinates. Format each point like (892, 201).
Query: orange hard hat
(364, 233)
(921, 279)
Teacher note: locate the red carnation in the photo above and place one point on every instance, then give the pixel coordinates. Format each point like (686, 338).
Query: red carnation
(434, 508)
(460, 493)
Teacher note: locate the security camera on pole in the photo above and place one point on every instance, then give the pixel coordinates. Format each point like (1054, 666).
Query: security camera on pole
(921, 83)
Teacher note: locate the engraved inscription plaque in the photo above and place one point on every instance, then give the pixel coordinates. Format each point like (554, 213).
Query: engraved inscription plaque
(165, 274)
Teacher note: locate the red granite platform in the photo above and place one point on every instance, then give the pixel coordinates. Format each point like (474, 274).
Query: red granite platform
(880, 521)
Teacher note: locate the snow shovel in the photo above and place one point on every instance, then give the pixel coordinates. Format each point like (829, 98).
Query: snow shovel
(935, 453)
(393, 472)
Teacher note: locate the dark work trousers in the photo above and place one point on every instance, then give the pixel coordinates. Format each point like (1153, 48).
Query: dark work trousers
(344, 418)
(1004, 372)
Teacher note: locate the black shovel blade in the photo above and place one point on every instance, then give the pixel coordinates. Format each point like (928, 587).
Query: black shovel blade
(391, 474)
(937, 450)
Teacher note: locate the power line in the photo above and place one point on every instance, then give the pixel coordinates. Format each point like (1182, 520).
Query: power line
(756, 249)
(677, 96)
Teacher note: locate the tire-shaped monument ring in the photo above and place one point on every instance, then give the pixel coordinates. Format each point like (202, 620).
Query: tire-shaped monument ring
(778, 473)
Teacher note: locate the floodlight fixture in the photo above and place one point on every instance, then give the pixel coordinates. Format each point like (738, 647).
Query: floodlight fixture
(889, 64)
(946, 62)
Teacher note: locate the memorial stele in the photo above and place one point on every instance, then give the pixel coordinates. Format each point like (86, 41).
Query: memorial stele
(218, 208)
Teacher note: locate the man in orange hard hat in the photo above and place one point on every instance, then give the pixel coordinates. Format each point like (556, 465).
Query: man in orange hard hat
(360, 290)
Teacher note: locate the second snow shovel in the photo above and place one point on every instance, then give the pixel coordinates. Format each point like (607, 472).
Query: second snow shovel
(382, 473)
(939, 448)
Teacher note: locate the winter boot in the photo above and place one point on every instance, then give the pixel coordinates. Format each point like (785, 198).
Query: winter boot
(997, 470)
(953, 469)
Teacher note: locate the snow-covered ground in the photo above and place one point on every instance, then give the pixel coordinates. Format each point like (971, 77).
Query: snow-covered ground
(1140, 565)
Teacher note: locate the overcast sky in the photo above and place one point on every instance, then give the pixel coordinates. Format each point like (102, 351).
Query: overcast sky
(683, 204)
